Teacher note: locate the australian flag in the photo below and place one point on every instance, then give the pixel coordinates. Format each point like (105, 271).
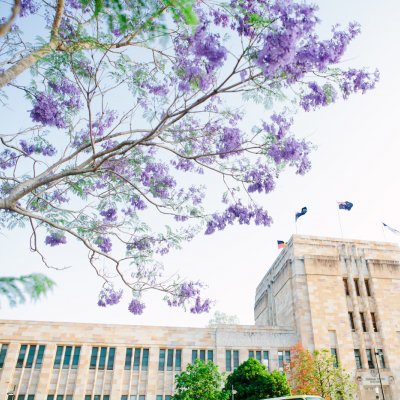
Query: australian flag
(302, 212)
(345, 205)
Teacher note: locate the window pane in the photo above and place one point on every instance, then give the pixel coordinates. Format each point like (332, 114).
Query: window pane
(75, 358)
(358, 358)
(50, 397)
(106, 397)
(87, 397)
(170, 359)
(334, 354)
(93, 358)
(21, 397)
(228, 360)
(128, 358)
(124, 397)
(103, 356)
(31, 396)
(145, 360)
(161, 360)
(68, 397)
(381, 359)
(111, 356)
(194, 356)
(96, 397)
(59, 397)
(367, 287)
(178, 360)
(31, 356)
(57, 360)
(136, 360)
(67, 356)
(168, 397)
(280, 359)
(39, 358)
(142, 397)
(202, 355)
(210, 355)
(369, 358)
(266, 359)
(159, 397)
(287, 357)
(251, 354)
(235, 358)
(258, 356)
(3, 354)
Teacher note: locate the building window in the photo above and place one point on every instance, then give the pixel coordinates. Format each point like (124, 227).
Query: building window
(235, 359)
(111, 356)
(381, 359)
(335, 357)
(161, 360)
(228, 360)
(257, 353)
(251, 354)
(280, 360)
(170, 359)
(128, 359)
(357, 356)
(31, 397)
(356, 286)
(75, 358)
(364, 326)
(374, 322)
(57, 360)
(266, 359)
(102, 358)
(367, 287)
(136, 355)
(39, 358)
(351, 319)
(93, 357)
(202, 355)
(370, 359)
(21, 356)
(142, 397)
(287, 357)
(178, 360)
(31, 356)
(3, 353)
(145, 360)
(67, 357)
(346, 286)
(136, 359)
(210, 355)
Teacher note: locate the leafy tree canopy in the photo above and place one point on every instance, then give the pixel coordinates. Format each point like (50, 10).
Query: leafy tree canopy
(252, 381)
(200, 381)
(127, 108)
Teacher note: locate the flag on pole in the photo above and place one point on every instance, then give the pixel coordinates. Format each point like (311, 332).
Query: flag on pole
(281, 244)
(395, 231)
(300, 213)
(345, 205)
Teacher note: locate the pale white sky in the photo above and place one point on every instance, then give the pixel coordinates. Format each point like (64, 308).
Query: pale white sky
(357, 160)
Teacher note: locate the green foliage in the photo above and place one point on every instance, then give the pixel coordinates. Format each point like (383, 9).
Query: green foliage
(252, 381)
(200, 381)
(221, 318)
(15, 289)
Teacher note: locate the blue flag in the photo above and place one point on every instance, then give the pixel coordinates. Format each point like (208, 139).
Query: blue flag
(395, 231)
(345, 205)
(302, 212)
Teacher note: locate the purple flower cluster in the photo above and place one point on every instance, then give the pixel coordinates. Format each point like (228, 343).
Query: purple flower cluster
(156, 177)
(260, 179)
(238, 212)
(355, 80)
(54, 239)
(136, 307)
(47, 111)
(138, 203)
(318, 96)
(108, 297)
(104, 244)
(28, 7)
(70, 93)
(230, 142)
(8, 159)
(201, 306)
(45, 150)
(109, 215)
(279, 127)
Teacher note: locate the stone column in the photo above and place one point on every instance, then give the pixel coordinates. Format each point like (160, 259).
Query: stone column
(8, 369)
(82, 373)
(46, 372)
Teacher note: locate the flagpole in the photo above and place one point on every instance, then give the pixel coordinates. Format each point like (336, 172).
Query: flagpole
(340, 222)
(383, 231)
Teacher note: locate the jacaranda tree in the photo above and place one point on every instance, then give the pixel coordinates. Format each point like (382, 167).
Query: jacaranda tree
(131, 106)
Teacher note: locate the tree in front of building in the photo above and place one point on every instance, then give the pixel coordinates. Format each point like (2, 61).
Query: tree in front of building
(252, 381)
(200, 381)
(318, 373)
(221, 318)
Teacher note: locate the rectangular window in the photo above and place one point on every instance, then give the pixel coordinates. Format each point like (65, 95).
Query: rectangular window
(68, 397)
(88, 397)
(128, 358)
(235, 359)
(125, 396)
(161, 360)
(287, 357)
(136, 359)
(21, 397)
(111, 356)
(210, 355)
(251, 354)
(75, 358)
(334, 354)
(145, 360)
(31, 356)
(21, 356)
(178, 360)
(364, 326)
(356, 286)
(96, 397)
(106, 397)
(167, 397)
(39, 358)
(228, 360)
(93, 358)
(31, 397)
(374, 322)
(370, 359)
(102, 358)
(159, 397)
(266, 359)
(367, 287)
(280, 360)
(202, 355)
(142, 397)
(170, 359)
(50, 397)
(57, 360)
(258, 356)
(381, 359)
(59, 397)
(346, 286)
(3, 353)
(351, 319)
(357, 356)
(194, 356)
(67, 357)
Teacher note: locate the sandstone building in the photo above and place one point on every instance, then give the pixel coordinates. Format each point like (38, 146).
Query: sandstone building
(343, 295)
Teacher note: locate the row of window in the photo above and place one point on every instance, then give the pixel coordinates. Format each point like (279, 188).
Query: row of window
(102, 357)
(97, 397)
(67, 357)
(363, 324)
(161, 397)
(370, 358)
(59, 397)
(133, 397)
(357, 286)
(29, 355)
(26, 397)
(3, 353)
(136, 357)
(201, 354)
(169, 355)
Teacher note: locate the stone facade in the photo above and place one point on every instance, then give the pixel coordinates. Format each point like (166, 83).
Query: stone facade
(306, 296)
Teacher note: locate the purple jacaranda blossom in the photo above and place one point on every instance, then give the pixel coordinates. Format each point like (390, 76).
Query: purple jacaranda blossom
(201, 306)
(54, 239)
(318, 96)
(181, 218)
(138, 203)
(8, 159)
(109, 215)
(260, 179)
(279, 127)
(183, 164)
(108, 297)
(230, 142)
(189, 293)
(104, 244)
(28, 7)
(38, 148)
(46, 110)
(355, 80)
(59, 197)
(220, 18)
(75, 4)
(156, 177)
(136, 307)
